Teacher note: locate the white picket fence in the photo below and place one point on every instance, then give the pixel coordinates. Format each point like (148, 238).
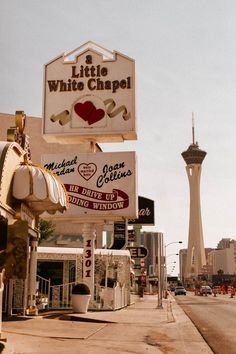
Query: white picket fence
(59, 296)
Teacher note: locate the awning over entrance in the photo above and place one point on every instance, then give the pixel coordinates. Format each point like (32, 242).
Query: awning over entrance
(38, 188)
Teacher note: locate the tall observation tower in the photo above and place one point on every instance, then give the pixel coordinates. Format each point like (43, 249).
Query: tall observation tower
(196, 258)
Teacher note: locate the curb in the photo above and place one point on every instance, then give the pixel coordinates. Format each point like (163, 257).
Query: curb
(170, 315)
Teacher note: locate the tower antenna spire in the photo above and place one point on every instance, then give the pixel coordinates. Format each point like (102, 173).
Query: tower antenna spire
(193, 131)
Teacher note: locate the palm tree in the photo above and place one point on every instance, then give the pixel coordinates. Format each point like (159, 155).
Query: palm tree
(46, 229)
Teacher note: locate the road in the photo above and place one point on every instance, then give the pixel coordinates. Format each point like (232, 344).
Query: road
(214, 317)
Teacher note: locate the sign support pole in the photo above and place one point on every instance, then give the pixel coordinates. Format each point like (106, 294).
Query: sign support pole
(137, 230)
(89, 235)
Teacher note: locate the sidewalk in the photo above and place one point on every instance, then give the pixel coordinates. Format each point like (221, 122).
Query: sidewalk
(139, 328)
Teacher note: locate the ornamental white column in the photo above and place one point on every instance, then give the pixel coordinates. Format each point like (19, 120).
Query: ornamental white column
(89, 235)
(32, 309)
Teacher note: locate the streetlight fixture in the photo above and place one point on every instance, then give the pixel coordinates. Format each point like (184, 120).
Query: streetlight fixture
(173, 242)
(170, 263)
(172, 254)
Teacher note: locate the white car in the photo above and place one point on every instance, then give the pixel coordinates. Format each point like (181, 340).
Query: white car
(205, 289)
(180, 290)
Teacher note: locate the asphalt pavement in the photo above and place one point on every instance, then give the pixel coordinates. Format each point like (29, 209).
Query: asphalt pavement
(139, 328)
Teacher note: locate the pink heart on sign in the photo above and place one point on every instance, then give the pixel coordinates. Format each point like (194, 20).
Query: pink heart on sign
(87, 170)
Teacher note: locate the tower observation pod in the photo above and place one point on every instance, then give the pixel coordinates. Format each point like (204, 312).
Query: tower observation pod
(196, 257)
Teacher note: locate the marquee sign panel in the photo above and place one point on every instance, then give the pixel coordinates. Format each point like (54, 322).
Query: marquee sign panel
(102, 184)
(145, 212)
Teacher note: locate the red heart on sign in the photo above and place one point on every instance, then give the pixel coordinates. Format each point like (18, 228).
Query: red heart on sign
(95, 116)
(87, 170)
(88, 112)
(84, 109)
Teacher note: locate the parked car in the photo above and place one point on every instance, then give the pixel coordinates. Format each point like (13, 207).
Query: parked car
(205, 289)
(180, 290)
(171, 288)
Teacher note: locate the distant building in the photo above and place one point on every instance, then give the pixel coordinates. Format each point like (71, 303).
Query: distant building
(224, 243)
(205, 270)
(223, 259)
(182, 262)
(149, 240)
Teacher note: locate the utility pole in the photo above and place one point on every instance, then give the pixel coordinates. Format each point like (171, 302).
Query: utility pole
(160, 270)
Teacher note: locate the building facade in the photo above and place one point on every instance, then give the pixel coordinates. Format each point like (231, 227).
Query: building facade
(150, 241)
(25, 193)
(39, 147)
(223, 259)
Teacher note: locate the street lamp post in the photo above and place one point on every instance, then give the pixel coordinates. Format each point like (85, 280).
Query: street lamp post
(160, 273)
(168, 244)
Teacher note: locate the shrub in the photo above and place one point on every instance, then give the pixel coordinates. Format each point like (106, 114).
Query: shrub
(81, 289)
(110, 282)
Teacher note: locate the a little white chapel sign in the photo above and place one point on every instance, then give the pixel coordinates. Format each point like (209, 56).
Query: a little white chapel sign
(89, 92)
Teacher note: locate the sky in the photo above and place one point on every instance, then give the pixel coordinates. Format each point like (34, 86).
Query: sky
(185, 59)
